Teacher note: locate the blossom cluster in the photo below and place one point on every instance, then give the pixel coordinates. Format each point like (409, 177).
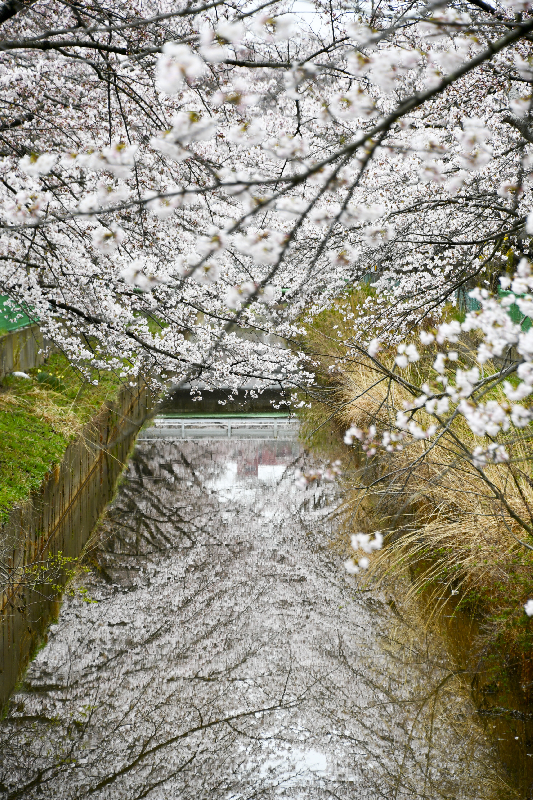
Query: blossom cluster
(215, 184)
(327, 472)
(364, 542)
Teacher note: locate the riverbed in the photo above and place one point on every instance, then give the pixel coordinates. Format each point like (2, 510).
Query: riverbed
(217, 649)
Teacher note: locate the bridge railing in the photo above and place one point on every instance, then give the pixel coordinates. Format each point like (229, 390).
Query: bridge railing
(246, 427)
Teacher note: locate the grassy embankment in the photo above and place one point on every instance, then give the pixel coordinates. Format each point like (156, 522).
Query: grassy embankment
(444, 526)
(38, 418)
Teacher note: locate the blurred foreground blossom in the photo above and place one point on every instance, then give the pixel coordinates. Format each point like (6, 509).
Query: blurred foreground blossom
(362, 541)
(328, 473)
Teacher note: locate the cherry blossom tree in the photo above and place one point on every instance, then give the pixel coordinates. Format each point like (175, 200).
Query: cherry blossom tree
(180, 183)
(168, 171)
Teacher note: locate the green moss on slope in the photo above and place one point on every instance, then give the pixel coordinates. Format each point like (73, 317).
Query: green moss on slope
(38, 418)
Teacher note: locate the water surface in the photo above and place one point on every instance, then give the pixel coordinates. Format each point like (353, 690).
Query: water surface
(227, 656)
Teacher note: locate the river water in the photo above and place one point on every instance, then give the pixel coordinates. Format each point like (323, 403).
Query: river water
(226, 655)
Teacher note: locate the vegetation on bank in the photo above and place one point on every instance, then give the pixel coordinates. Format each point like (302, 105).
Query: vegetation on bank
(39, 416)
(453, 559)
(442, 522)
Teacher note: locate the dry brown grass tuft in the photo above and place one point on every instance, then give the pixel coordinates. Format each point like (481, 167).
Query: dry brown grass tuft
(434, 504)
(453, 556)
(443, 521)
(41, 404)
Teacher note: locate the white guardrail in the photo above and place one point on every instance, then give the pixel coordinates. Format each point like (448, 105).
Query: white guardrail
(284, 428)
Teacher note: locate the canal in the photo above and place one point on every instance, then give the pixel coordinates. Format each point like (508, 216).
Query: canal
(219, 650)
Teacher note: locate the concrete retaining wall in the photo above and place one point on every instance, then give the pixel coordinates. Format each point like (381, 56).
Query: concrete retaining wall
(59, 519)
(19, 350)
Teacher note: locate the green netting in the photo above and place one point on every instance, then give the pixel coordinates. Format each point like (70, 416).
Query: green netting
(466, 303)
(12, 317)
(515, 313)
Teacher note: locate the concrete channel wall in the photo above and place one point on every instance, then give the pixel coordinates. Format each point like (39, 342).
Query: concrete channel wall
(20, 350)
(55, 523)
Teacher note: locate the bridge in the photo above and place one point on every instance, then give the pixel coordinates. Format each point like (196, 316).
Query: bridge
(226, 426)
(223, 414)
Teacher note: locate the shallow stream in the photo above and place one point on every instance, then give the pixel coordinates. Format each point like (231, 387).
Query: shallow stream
(226, 655)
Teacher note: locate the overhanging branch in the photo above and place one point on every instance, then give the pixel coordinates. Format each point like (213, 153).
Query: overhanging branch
(12, 7)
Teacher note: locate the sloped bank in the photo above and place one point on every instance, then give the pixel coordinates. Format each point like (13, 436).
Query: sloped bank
(428, 599)
(44, 535)
(456, 561)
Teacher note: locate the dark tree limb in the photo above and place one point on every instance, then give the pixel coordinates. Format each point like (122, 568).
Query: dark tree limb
(523, 127)
(15, 123)
(12, 7)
